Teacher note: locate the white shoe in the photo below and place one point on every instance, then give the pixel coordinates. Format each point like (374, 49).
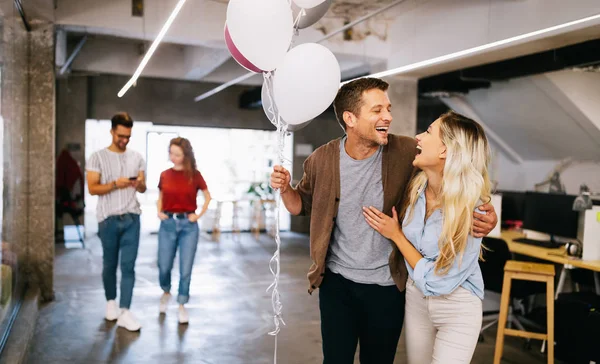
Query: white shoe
(128, 321)
(164, 302)
(184, 318)
(112, 311)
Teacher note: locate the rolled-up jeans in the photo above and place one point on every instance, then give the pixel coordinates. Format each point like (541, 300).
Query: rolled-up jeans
(441, 329)
(175, 233)
(120, 235)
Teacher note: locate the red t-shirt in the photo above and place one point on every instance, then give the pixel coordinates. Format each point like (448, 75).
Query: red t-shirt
(179, 192)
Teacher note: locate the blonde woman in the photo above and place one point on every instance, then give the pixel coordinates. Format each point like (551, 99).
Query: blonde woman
(445, 290)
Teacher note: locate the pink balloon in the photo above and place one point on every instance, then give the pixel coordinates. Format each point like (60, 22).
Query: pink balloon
(239, 57)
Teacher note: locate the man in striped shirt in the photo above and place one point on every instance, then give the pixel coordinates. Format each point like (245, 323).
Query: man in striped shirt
(115, 174)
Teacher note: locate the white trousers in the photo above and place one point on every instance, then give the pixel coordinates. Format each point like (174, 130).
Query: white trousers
(441, 329)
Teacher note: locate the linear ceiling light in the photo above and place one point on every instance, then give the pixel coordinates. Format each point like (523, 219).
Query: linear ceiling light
(466, 52)
(153, 47)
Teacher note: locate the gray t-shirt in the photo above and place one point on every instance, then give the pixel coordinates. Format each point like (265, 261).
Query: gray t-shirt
(357, 251)
(111, 167)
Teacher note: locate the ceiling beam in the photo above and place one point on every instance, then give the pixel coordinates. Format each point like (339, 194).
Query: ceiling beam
(67, 66)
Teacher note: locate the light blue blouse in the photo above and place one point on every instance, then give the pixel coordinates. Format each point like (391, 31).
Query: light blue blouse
(424, 236)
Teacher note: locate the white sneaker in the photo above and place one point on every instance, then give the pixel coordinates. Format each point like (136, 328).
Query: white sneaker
(164, 302)
(128, 321)
(112, 311)
(184, 318)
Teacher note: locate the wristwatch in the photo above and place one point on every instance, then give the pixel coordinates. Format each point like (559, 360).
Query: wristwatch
(114, 185)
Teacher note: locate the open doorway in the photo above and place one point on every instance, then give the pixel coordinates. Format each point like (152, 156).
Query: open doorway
(236, 164)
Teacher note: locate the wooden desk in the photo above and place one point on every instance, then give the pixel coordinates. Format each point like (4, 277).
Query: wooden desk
(557, 255)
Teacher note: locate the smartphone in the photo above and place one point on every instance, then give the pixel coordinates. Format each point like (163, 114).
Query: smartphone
(133, 178)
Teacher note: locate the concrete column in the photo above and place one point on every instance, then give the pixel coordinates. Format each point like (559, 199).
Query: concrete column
(42, 160)
(15, 95)
(403, 93)
(28, 99)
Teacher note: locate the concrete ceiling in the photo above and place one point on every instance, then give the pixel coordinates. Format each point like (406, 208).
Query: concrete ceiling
(194, 48)
(412, 31)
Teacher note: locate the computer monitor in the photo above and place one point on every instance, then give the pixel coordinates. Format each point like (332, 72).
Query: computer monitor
(513, 205)
(551, 214)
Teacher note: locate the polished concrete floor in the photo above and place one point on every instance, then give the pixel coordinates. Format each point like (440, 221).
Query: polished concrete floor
(230, 312)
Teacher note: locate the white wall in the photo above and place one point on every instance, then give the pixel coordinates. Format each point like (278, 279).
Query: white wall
(582, 89)
(523, 177)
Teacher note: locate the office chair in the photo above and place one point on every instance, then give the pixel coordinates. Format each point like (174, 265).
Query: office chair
(495, 256)
(65, 204)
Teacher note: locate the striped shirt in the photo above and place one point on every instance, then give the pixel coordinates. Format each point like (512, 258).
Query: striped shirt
(111, 167)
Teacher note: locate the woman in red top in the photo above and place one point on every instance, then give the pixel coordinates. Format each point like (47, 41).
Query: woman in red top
(177, 207)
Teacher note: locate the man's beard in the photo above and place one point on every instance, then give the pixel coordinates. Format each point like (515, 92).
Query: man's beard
(372, 141)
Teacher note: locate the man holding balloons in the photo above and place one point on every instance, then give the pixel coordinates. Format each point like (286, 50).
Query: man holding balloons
(361, 275)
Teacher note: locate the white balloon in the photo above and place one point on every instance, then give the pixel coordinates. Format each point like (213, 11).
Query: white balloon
(261, 30)
(307, 4)
(297, 127)
(306, 83)
(271, 111)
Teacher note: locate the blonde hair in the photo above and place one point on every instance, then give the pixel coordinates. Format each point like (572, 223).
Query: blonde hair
(464, 184)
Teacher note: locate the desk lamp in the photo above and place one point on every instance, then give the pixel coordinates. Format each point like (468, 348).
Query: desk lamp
(584, 200)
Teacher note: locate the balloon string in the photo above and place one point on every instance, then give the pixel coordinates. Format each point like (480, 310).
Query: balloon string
(268, 83)
(274, 116)
(274, 263)
(301, 13)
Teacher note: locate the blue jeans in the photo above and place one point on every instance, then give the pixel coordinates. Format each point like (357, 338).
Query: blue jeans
(119, 234)
(174, 233)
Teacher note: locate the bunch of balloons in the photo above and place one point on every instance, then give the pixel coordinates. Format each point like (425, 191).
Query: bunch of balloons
(300, 82)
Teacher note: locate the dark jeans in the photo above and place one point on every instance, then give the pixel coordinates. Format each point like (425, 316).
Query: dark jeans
(119, 234)
(352, 313)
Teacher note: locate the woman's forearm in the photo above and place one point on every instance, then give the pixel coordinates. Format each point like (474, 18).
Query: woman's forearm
(159, 203)
(410, 253)
(207, 199)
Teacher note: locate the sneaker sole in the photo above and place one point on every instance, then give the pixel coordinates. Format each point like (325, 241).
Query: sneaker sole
(125, 328)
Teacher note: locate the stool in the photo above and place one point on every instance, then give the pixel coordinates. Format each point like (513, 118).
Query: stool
(528, 272)
(236, 231)
(257, 220)
(216, 228)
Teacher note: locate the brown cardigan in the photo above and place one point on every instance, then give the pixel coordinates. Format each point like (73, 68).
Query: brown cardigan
(319, 190)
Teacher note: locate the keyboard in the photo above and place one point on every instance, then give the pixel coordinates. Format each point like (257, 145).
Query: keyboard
(540, 243)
